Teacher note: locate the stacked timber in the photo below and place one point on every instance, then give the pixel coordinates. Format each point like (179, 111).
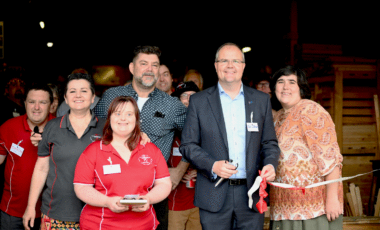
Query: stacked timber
(355, 204)
(377, 205)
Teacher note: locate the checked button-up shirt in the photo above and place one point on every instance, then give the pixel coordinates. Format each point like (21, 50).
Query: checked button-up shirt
(160, 116)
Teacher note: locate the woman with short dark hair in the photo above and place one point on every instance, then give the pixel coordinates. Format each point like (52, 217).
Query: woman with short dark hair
(309, 154)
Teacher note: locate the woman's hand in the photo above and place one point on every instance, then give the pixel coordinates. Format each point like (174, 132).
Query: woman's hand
(35, 138)
(28, 217)
(268, 172)
(141, 208)
(113, 203)
(333, 208)
(144, 138)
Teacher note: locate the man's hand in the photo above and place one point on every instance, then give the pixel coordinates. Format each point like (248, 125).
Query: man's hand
(223, 169)
(268, 172)
(191, 174)
(35, 138)
(177, 173)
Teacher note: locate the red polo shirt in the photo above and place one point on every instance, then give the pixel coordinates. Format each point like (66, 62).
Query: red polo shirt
(18, 170)
(181, 198)
(146, 165)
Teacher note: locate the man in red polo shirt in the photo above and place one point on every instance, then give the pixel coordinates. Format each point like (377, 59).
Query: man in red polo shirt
(183, 214)
(20, 156)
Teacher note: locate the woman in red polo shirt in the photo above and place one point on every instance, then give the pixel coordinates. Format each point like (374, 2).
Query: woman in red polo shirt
(117, 166)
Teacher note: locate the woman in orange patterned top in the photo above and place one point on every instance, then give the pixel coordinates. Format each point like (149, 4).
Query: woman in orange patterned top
(309, 154)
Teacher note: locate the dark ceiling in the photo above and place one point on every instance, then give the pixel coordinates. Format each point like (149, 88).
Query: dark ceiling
(88, 34)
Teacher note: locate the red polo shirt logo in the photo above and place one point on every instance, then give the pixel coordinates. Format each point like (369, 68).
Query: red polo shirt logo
(145, 160)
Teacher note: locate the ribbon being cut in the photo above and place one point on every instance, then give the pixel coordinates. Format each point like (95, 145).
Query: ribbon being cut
(261, 184)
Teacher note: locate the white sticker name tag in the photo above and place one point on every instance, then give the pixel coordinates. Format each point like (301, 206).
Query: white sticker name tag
(16, 114)
(252, 127)
(176, 152)
(111, 169)
(16, 149)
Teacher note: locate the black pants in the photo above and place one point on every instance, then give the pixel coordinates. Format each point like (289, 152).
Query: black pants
(15, 223)
(235, 211)
(162, 212)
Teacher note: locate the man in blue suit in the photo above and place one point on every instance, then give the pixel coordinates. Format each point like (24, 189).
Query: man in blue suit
(229, 122)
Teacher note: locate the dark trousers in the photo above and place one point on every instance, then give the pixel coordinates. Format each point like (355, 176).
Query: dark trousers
(235, 210)
(15, 223)
(162, 212)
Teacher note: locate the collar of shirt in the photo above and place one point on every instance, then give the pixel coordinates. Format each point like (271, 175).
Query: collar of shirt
(134, 93)
(111, 149)
(25, 121)
(222, 92)
(65, 121)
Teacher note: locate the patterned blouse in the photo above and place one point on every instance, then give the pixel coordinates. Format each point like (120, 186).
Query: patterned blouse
(309, 151)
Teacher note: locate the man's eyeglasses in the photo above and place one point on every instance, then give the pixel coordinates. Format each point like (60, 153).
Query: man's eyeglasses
(186, 95)
(263, 85)
(233, 61)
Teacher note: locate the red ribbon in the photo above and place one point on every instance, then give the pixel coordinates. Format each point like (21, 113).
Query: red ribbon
(262, 204)
(300, 188)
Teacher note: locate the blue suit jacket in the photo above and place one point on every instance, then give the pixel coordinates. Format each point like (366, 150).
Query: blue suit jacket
(204, 141)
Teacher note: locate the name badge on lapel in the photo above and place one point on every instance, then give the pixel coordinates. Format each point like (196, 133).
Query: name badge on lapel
(17, 149)
(252, 126)
(111, 169)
